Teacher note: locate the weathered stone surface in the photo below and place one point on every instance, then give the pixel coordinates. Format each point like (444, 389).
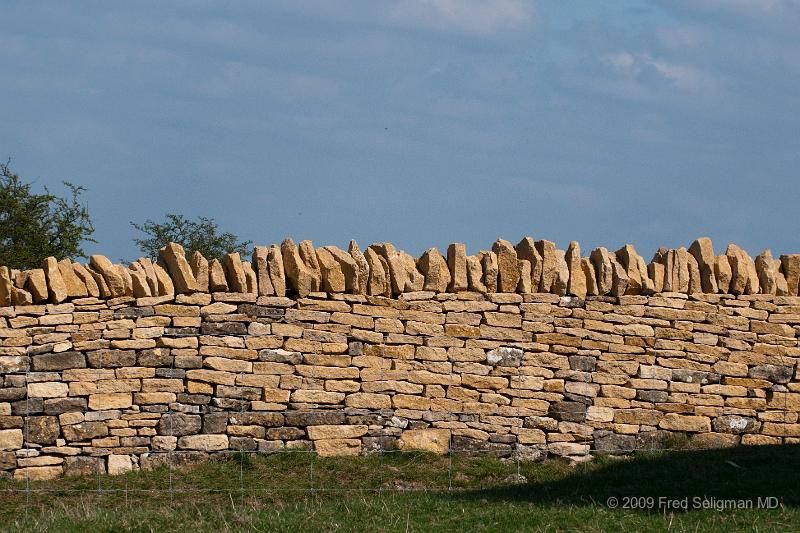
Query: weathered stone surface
(337, 447)
(426, 440)
(773, 373)
(591, 277)
(547, 251)
(36, 283)
(568, 411)
(362, 268)
(250, 277)
(703, 251)
(206, 443)
(378, 283)
(524, 284)
(561, 278)
(767, 275)
(277, 274)
(199, 266)
(82, 466)
(150, 272)
(577, 285)
(337, 432)
(309, 257)
(678, 422)
(300, 277)
(414, 278)
(629, 261)
(5, 286)
(526, 249)
(216, 277)
(490, 270)
(680, 270)
(507, 267)
(59, 361)
(504, 356)
(348, 266)
(141, 289)
(739, 275)
(475, 275)
(261, 267)
(42, 429)
(165, 285)
(790, 264)
(736, 424)
(723, 273)
(331, 271)
(174, 257)
(234, 273)
(85, 431)
(695, 283)
(55, 281)
(114, 282)
(435, 269)
(10, 439)
(619, 278)
(656, 272)
(457, 264)
(179, 424)
(119, 464)
(604, 271)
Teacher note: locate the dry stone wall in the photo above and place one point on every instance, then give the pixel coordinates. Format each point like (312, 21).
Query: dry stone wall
(523, 350)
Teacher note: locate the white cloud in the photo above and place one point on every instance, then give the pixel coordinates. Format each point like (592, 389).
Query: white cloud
(682, 76)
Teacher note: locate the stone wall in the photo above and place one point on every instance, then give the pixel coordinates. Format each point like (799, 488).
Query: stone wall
(522, 351)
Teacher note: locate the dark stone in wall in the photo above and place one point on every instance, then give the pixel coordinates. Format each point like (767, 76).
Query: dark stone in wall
(568, 411)
(58, 361)
(179, 424)
(42, 429)
(314, 418)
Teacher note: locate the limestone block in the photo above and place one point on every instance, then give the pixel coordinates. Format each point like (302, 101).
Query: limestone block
(36, 283)
(309, 257)
(199, 266)
(5, 286)
(425, 440)
(114, 282)
(781, 286)
(723, 273)
(475, 275)
(680, 270)
(337, 447)
(678, 422)
(55, 282)
(298, 274)
(336, 431)
(251, 279)
(647, 284)
(331, 271)
(217, 281)
(150, 271)
(490, 270)
(20, 297)
(348, 267)
(414, 278)
(628, 259)
(174, 257)
(695, 281)
(362, 268)
(561, 279)
(435, 270)
(547, 251)
(261, 268)
(507, 267)
(604, 270)
(589, 275)
(141, 289)
(457, 263)
(526, 249)
(277, 274)
(119, 464)
(791, 270)
(10, 439)
(234, 273)
(378, 283)
(703, 251)
(655, 271)
(524, 285)
(577, 276)
(765, 266)
(206, 443)
(739, 270)
(38, 473)
(165, 286)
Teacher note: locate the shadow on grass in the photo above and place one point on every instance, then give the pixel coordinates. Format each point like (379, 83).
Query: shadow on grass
(744, 473)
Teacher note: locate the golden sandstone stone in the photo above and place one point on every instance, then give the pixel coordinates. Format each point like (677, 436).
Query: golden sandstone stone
(350, 369)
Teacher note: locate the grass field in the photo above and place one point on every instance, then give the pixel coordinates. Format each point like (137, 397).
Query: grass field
(417, 492)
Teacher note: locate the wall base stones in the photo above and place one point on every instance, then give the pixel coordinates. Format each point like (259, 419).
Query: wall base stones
(120, 384)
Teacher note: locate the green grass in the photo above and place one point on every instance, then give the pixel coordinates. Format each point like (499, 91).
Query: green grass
(410, 492)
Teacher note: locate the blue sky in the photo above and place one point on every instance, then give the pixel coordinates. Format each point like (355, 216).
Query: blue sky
(421, 122)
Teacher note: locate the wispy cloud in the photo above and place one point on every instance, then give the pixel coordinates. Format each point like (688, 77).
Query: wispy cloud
(464, 16)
